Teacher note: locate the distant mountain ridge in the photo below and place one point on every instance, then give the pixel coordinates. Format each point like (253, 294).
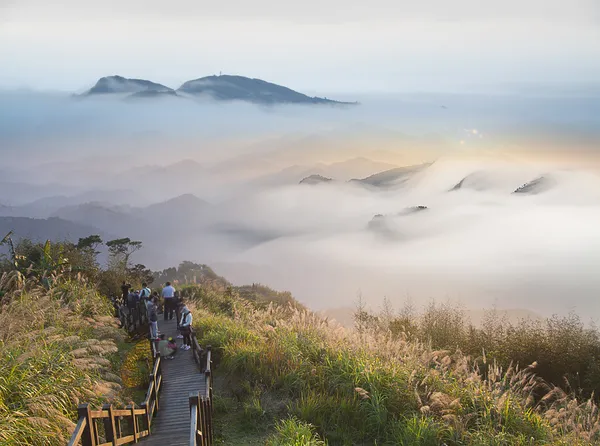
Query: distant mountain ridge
(120, 84)
(220, 88)
(185, 211)
(391, 177)
(315, 179)
(53, 228)
(228, 88)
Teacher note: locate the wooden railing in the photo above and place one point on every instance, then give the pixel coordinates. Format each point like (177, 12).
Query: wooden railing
(201, 407)
(133, 319)
(88, 432)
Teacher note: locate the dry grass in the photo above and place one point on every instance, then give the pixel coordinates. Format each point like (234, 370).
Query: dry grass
(57, 348)
(372, 386)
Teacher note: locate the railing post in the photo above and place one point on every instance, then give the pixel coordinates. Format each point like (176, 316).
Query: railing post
(157, 359)
(88, 438)
(110, 428)
(153, 376)
(208, 383)
(150, 397)
(208, 407)
(205, 422)
(209, 357)
(134, 423)
(152, 352)
(119, 427)
(194, 419)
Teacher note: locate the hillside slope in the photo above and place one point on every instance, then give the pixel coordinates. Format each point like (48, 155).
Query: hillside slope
(119, 84)
(230, 88)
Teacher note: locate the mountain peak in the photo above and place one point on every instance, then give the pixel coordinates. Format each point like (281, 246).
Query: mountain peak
(315, 179)
(241, 88)
(222, 88)
(119, 84)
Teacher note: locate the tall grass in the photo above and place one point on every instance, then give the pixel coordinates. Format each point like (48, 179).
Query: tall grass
(291, 432)
(566, 352)
(57, 349)
(375, 388)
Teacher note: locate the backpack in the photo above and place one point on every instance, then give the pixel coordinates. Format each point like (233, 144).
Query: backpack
(184, 317)
(131, 300)
(152, 316)
(144, 291)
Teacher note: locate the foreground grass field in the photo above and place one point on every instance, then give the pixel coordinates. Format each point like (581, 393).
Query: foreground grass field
(303, 381)
(58, 347)
(285, 376)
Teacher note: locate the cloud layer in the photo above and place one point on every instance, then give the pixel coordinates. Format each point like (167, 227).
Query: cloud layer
(123, 168)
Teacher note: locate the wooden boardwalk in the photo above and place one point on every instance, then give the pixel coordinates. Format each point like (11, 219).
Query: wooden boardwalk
(171, 426)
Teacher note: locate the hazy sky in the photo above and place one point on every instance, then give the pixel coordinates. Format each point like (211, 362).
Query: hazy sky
(313, 45)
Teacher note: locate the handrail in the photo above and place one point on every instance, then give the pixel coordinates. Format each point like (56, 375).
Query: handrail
(201, 432)
(201, 408)
(194, 434)
(132, 320)
(86, 430)
(81, 424)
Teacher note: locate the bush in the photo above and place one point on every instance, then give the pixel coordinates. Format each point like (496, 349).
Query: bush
(566, 353)
(292, 432)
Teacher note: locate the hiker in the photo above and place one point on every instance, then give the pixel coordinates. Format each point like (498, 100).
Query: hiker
(146, 298)
(153, 320)
(154, 298)
(145, 292)
(180, 306)
(168, 293)
(177, 301)
(167, 347)
(140, 307)
(115, 303)
(125, 290)
(131, 301)
(186, 327)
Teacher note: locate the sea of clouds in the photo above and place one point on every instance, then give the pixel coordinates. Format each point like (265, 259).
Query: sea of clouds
(481, 243)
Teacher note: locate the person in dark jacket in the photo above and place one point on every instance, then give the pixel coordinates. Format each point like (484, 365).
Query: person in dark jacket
(125, 291)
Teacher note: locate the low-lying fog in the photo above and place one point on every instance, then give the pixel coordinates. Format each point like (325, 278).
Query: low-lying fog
(503, 207)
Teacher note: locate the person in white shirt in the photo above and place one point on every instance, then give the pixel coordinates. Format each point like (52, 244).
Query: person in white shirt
(186, 327)
(168, 293)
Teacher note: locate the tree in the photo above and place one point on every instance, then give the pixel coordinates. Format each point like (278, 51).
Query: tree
(90, 243)
(140, 274)
(363, 320)
(120, 251)
(13, 256)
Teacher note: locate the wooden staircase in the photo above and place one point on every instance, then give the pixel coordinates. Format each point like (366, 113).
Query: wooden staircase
(177, 409)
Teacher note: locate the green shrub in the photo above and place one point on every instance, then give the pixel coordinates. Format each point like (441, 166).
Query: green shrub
(292, 432)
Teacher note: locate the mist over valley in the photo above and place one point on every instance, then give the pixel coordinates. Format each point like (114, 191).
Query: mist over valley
(487, 199)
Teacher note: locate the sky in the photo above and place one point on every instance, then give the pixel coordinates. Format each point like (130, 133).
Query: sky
(316, 46)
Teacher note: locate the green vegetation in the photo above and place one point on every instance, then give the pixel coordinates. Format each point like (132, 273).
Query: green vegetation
(58, 347)
(59, 341)
(285, 376)
(292, 432)
(566, 353)
(373, 386)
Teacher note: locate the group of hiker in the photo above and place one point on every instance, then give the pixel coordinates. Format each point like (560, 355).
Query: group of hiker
(172, 305)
